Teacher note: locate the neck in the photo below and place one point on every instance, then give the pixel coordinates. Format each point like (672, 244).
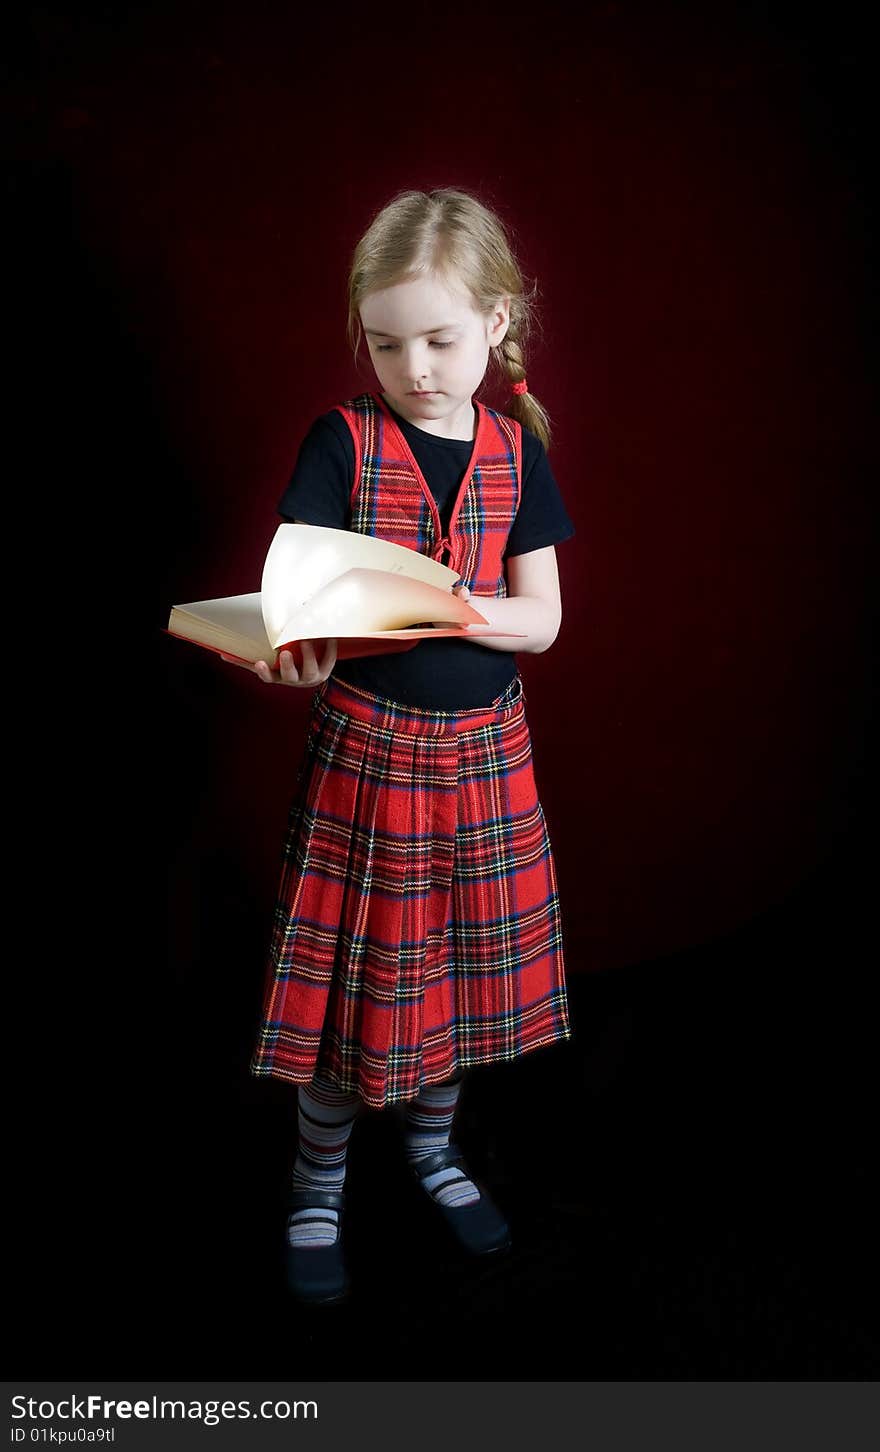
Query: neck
(460, 425)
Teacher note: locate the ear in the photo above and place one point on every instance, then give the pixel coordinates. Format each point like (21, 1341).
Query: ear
(498, 322)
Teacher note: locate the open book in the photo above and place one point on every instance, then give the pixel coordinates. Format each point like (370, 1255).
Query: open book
(368, 594)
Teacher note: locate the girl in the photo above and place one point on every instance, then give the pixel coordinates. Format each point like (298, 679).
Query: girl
(417, 928)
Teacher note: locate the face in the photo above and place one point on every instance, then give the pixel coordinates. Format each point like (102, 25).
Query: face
(430, 347)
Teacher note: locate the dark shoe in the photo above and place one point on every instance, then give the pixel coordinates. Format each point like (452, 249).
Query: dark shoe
(480, 1228)
(316, 1273)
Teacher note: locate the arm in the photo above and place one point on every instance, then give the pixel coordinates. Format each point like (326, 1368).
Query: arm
(533, 604)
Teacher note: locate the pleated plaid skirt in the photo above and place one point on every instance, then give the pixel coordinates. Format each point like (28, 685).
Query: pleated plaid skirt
(417, 926)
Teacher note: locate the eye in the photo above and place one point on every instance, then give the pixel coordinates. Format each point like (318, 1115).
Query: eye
(389, 347)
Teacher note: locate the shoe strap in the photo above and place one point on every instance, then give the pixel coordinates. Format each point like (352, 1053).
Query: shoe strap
(315, 1199)
(440, 1159)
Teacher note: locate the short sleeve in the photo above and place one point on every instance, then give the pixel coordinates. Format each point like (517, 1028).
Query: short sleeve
(541, 518)
(320, 486)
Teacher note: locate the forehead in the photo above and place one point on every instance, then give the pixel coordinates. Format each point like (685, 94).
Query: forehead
(420, 305)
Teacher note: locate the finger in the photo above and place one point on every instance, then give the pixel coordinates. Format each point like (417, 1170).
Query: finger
(329, 660)
(289, 672)
(312, 672)
(309, 663)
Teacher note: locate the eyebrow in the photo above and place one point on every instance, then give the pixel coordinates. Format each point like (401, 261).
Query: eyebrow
(443, 328)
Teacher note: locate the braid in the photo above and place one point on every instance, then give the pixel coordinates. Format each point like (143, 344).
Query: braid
(524, 407)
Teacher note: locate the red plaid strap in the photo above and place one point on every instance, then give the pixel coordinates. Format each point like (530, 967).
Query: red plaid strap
(392, 500)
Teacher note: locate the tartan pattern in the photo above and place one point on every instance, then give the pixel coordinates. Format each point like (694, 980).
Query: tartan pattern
(391, 499)
(387, 499)
(417, 927)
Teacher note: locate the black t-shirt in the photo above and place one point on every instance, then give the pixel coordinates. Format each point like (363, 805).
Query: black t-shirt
(440, 675)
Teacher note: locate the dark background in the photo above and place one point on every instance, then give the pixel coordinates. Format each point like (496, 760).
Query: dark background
(689, 186)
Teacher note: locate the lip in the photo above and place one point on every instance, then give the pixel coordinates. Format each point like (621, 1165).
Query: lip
(422, 393)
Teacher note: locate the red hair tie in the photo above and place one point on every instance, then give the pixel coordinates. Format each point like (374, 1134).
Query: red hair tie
(520, 387)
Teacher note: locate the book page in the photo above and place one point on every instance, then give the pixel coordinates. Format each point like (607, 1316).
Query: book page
(232, 618)
(303, 558)
(361, 601)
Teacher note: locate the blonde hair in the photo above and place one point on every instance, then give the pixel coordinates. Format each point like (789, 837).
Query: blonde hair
(449, 233)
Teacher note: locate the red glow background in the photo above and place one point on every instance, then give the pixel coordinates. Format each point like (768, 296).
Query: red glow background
(685, 185)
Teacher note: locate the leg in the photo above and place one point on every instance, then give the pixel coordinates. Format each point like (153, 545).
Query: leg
(314, 1255)
(326, 1117)
(468, 1211)
(428, 1127)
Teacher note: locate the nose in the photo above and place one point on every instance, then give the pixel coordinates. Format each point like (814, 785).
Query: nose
(417, 366)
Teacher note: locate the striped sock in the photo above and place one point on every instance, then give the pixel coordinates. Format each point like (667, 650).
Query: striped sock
(428, 1126)
(326, 1116)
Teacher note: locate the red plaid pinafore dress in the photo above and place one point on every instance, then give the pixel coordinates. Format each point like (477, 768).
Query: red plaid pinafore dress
(417, 926)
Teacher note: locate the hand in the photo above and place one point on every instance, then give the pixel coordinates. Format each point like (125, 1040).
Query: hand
(313, 671)
(461, 591)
